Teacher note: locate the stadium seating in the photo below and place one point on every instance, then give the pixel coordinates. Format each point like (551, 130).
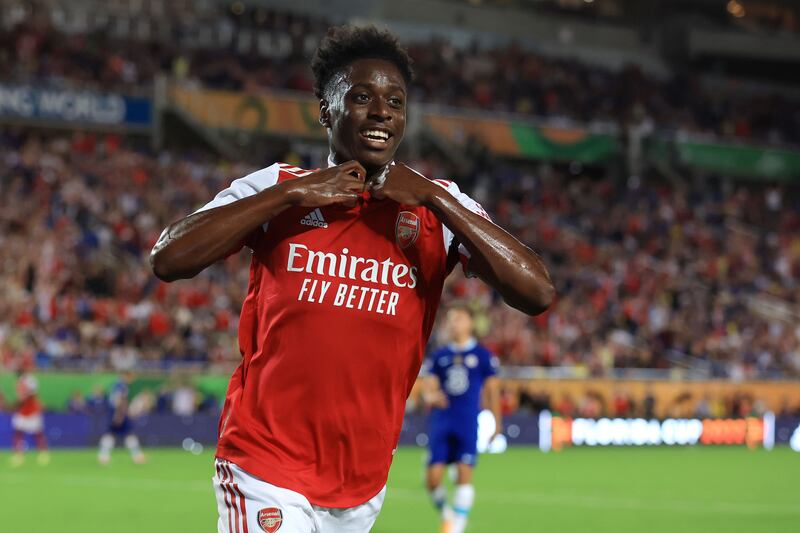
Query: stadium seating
(638, 266)
(511, 78)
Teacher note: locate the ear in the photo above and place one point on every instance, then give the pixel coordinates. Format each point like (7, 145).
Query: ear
(324, 113)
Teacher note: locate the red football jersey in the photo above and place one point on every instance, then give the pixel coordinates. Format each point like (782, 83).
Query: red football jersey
(340, 305)
(28, 403)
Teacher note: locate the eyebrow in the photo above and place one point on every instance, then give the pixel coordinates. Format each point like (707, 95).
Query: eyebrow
(392, 87)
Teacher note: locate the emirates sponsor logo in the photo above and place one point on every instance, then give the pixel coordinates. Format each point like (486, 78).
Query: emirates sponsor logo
(346, 267)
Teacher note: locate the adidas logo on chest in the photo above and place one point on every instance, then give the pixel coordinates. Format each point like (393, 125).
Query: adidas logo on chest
(315, 219)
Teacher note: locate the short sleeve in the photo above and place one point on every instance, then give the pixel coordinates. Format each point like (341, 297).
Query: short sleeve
(427, 368)
(431, 366)
(249, 185)
(490, 363)
(449, 237)
(241, 188)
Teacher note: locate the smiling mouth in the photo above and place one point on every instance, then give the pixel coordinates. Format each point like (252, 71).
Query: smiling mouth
(376, 136)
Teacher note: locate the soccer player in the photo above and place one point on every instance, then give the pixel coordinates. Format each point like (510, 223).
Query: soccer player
(119, 425)
(346, 274)
(453, 377)
(28, 419)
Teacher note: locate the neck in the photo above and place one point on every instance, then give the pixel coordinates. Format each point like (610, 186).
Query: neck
(372, 172)
(460, 342)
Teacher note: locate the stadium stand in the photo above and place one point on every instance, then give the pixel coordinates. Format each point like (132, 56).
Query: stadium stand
(660, 271)
(509, 78)
(640, 265)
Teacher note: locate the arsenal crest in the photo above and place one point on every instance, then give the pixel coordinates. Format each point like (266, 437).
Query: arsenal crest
(407, 229)
(270, 519)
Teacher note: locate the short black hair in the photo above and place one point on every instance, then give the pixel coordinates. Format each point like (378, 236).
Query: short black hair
(345, 44)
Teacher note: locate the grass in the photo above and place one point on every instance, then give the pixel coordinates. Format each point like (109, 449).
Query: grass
(617, 490)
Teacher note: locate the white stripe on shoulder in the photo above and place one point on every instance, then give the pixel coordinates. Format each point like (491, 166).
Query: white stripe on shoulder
(297, 171)
(467, 202)
(241, 188)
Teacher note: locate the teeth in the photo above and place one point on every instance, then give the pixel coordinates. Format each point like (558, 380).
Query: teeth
(376, 135)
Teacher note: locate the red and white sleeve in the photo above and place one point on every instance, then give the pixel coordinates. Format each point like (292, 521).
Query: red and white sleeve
(241, 188)
(249, 185)
(449, 237)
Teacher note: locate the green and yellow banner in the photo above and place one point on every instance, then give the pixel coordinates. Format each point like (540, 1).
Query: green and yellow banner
(278, 114)
(296, 115)
(735, 160)
(521, 139)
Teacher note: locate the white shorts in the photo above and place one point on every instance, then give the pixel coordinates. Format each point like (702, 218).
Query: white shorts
(247, 504)
(28, 424)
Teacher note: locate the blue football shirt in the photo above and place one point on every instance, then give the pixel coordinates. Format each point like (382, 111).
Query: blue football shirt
(461, 372)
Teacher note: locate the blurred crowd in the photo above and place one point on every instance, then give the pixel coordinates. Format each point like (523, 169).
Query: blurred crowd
(78, 217)
(700, 274)
(268, 49)
(693, 276)
(179, 397)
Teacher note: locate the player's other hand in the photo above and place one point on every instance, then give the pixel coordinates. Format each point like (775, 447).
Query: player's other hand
(405, 186)
(497, 432)
(339, 185)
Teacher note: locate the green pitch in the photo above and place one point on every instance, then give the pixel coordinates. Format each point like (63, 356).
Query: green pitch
(618, 490)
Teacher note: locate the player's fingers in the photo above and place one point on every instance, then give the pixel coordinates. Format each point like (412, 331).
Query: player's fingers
(351, 183)
(353, 168)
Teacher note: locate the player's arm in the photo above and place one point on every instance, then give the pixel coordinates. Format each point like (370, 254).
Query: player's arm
(432, 394)
(492, 388)
(191, 244)
(497, 257)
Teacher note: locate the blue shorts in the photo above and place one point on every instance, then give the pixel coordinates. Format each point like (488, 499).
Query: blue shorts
(448, 444)
(122, 429)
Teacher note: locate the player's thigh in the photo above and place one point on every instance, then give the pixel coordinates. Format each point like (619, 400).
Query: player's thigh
(439, 446)
(246, 503)
(359, 519)
(466, 446)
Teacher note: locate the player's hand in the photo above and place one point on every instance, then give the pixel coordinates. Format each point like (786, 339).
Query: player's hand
(339, 185)
(436, 399)
(405, 186)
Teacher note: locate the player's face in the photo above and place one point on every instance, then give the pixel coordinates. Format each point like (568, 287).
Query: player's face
(366, 113)
(459, 324)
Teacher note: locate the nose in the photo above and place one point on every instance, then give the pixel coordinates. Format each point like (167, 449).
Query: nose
(379, 110)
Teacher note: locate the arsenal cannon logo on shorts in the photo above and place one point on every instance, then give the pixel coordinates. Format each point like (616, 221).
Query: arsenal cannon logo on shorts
(407, 229)
(270, 519)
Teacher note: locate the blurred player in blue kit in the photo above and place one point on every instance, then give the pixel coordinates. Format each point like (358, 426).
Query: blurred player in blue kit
(453, 378)
(120, 423)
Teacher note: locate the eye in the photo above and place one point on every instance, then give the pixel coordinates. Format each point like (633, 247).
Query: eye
(361, 98)
(396, 102)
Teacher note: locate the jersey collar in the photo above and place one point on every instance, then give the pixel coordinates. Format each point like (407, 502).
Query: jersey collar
(467, 346)
(379, 180)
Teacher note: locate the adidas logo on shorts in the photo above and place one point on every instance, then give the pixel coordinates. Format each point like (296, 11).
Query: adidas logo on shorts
(314, 218)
